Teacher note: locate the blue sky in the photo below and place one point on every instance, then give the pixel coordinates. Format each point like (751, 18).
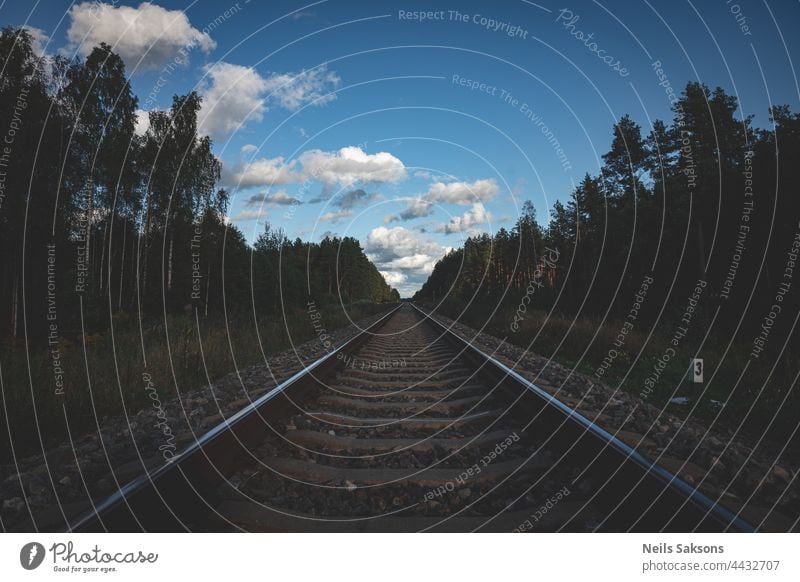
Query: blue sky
(361, 119)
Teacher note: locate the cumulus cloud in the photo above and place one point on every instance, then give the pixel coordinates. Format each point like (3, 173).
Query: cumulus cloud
(234, 95)
(347, 166)
(401, 247)
(463, 193)
(146, 37)
(468, 221)
(394, 278)
(420, 263)
(260, 172)
(405, 253)
(351, 165)
(279, 198)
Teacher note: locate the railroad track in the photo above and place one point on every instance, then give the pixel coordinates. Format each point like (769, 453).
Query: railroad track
(407, 427)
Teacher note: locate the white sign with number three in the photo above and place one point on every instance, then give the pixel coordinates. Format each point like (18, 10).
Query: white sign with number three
(696, 371)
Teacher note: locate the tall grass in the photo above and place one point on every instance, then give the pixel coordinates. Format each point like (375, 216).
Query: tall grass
(102, 372)
(756, 398)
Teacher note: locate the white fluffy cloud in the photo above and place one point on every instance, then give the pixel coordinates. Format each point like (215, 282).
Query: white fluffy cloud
(348, 166)
(403, 253)
(146, 37)
(468, 221)
(463, 193)
(261, 172)
(234, 94)
(351, 165)
(394, 278)
(403, 248)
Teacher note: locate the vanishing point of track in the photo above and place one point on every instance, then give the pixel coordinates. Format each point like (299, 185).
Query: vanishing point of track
(407, 427)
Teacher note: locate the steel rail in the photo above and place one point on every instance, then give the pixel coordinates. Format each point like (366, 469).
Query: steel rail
(637, 493)
(167, 498)
(659, 495)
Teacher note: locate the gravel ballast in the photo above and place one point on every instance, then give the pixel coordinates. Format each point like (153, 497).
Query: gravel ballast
(745, 475)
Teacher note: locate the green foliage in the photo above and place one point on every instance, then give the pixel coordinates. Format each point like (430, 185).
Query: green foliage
(334, 270)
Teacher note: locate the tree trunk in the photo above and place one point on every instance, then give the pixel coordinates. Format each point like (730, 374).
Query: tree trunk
(89, 216)
(169, 260)
(146, 236)
(208, 286)
(122, 263)
(701, 248)
(101, 278)
(15, 307)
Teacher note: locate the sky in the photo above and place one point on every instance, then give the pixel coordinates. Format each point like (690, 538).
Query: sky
(413, 125)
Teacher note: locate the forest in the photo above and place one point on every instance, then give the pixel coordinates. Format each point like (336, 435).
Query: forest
(113, 222)
(106, 231)
(123, 223)
(700, 215)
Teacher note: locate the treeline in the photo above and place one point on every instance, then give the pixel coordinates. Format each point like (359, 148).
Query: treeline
(96, 220)
(706, 200)
(335, 269)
